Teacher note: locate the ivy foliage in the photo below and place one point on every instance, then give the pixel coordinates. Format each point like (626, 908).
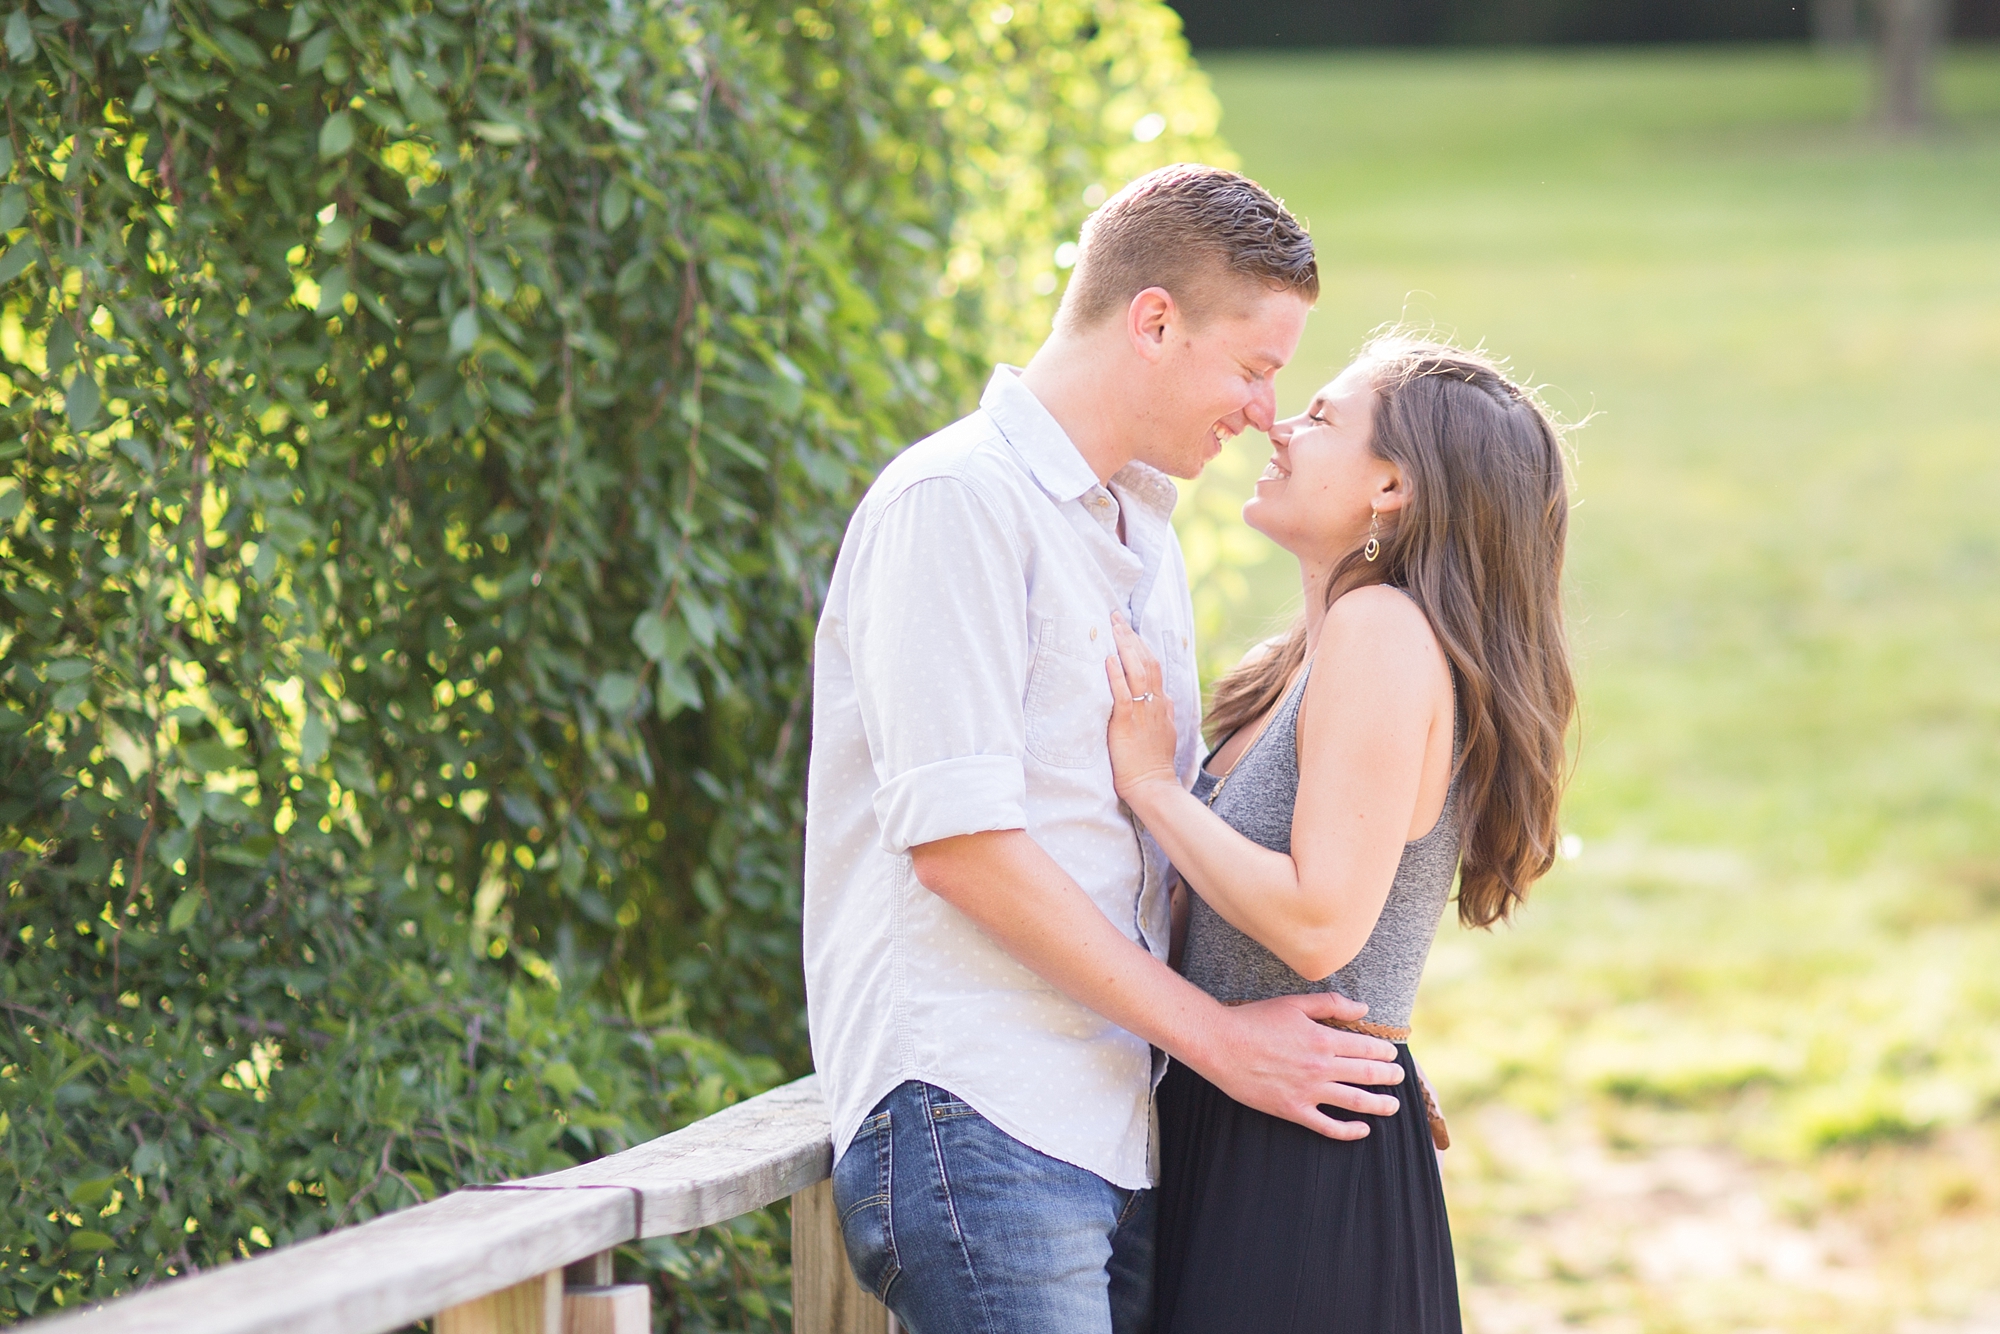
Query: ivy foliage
(428, 425)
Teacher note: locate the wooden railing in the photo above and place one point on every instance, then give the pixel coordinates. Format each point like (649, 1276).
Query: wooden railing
(534, 1256)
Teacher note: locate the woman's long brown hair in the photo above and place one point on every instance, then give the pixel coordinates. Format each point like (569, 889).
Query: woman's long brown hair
(1479, 546)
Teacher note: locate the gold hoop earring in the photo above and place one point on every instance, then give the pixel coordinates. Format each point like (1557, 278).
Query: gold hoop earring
(1373, 547)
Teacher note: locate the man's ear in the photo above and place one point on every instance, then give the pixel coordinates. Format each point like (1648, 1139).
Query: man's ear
(1148, 318)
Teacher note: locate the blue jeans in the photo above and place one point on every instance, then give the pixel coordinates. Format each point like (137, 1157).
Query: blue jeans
(961, 1229)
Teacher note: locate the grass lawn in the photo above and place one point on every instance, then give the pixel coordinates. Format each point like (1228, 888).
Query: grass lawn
(1738, 1066)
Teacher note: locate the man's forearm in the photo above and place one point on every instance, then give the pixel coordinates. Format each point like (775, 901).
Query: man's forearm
(1047, 923)
(1272, 1055)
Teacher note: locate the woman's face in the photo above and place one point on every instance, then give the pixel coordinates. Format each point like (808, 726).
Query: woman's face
(1315, 495)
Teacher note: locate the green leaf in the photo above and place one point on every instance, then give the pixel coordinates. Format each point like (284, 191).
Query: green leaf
(423, 107)
(678, 689)
(211, 756)
(562, 1077)
(289, 529)
(495, 274)
(185, 907)
(13, 207)
(649, 632)
(60, 9)
(240, 50)
(509, 399)
(70, 697)
(11, 503)
(313, 54)
(83, 1239)
(83, 402)
(20, 38)
(333, 288)
(498, 132)
(61, 348)
(154, 25)
(227, 808)
(235, 854)
(312, 741)
(700, 620)
(68, 669)
(17, 260)
(464, 330)
(95, 1191)
(617, 204)
(616, 691)
(336, 135)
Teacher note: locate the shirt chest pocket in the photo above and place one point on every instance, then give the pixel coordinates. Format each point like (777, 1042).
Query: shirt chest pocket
(1069, 699)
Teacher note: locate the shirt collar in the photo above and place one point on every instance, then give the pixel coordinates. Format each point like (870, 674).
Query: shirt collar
(1149, 486)
(1052, 456)
(1036, 435)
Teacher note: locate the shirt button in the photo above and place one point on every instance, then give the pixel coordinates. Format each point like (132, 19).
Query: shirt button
(1093, 632)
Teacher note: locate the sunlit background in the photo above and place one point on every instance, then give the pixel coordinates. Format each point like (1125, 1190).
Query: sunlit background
(403, 662)
(1737, 1067)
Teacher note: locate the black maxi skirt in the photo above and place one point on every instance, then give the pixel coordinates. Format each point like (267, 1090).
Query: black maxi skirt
(1269, 1228)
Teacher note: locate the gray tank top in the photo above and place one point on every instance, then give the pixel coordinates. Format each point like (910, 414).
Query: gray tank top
(1257, 801)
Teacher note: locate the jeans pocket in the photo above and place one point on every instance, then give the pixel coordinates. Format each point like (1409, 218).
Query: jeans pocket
(863, 1182)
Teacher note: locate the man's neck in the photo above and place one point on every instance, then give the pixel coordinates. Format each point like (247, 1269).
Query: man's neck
(1068, 376)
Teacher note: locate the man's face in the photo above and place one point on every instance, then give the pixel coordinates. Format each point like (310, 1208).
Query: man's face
(1216, 379)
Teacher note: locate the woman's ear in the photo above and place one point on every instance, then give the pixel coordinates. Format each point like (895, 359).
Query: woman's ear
(1392, 490)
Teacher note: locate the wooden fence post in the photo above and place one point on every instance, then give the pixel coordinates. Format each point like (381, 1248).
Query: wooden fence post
(534, 1307)
(825, 1297)
(623, 1308)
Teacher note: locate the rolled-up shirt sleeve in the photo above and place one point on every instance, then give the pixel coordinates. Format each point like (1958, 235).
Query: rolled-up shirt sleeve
(937, 634)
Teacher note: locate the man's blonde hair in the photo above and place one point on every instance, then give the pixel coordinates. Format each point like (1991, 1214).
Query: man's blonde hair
(1202, 233)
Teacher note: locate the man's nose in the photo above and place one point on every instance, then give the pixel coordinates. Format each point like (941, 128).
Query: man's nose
(1262, 410)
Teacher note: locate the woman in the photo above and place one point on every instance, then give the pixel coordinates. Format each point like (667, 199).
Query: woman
(1411, 726)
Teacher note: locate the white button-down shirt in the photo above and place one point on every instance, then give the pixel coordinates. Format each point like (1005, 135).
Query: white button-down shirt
(959, 686)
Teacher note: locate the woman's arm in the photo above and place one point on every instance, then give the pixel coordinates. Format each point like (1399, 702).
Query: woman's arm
(1378, 688)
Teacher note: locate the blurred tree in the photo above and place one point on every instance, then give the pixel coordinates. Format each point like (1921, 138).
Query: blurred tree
(1837, 23)
(428, 426)
(1293, 23)
(1909, 34)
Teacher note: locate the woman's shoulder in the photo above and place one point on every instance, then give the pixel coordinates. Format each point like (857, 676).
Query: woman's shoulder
(1381, 614)
(1380, 632)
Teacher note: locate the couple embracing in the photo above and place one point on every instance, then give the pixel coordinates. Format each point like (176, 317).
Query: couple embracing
(1112, 1027)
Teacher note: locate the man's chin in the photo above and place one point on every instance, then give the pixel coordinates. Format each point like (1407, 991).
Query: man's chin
(1188, 464)
(1211, 450)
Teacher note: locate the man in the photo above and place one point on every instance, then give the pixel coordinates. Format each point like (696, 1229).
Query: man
(985, 924)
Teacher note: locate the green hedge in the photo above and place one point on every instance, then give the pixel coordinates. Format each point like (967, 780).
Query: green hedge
(429, 425)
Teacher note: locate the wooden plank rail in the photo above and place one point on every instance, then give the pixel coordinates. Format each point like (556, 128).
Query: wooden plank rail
(491, 1259)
